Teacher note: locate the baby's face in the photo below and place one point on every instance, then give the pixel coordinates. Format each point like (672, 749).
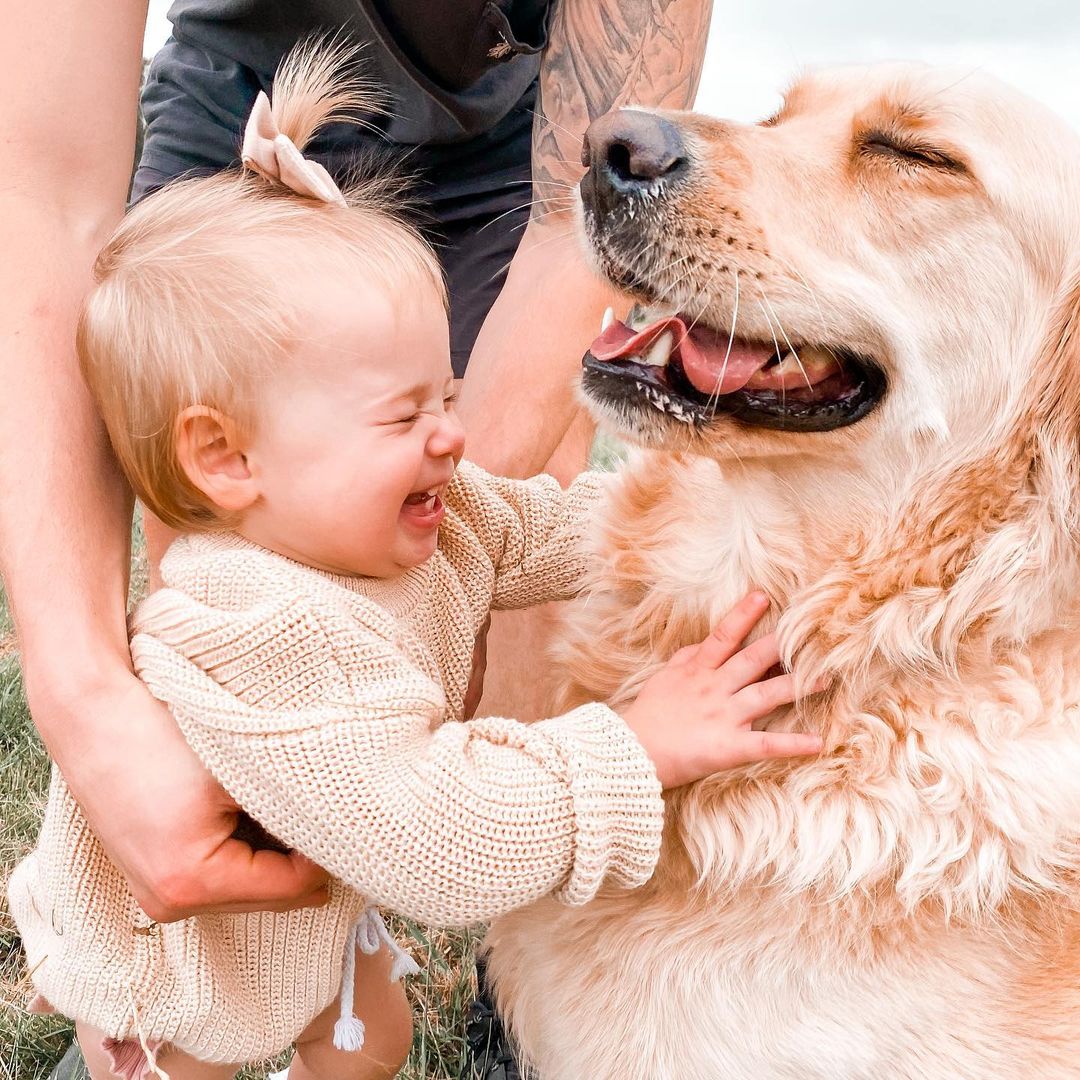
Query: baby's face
(357, 439)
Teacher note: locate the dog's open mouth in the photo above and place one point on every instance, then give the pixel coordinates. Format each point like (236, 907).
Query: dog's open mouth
(693, 373)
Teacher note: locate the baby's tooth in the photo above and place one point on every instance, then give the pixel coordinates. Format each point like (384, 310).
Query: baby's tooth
(659, 350)
(607, 320)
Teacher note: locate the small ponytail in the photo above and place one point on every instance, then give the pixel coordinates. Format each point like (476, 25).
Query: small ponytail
(317, 84)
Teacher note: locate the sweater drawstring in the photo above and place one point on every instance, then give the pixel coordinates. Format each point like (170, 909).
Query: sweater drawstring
(368, 934)
(349, 1029)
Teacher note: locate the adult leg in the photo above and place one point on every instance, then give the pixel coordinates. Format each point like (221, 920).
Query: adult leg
(519, 640)
(477, 239)
(476, 251)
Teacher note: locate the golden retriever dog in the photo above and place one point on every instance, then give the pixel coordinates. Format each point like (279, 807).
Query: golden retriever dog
(852, 379)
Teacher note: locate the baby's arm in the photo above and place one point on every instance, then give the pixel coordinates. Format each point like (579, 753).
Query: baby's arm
(328, 735)
(453, 825)
(532, 530)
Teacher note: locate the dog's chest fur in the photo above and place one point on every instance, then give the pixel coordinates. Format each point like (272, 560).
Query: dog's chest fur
(886, 917)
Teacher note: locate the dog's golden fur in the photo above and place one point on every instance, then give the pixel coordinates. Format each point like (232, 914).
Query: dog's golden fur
(906, 905)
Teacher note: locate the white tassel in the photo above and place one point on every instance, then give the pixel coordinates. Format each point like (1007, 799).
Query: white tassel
(282, 1075)
(404, 965)
(367, 931)
(349, 1029)
(368, 935)
(349, 1033)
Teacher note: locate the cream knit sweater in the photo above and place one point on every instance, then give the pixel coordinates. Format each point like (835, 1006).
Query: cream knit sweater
(330, 709)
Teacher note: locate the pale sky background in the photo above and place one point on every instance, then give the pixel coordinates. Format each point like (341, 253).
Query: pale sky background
(756, 47)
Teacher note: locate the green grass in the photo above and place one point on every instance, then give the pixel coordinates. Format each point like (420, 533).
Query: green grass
(31, 1045)
(607, 452)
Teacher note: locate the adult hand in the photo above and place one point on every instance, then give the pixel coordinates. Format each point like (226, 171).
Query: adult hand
(166, 823)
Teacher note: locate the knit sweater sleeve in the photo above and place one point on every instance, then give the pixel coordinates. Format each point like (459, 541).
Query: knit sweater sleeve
(449, 824)
(532, 530)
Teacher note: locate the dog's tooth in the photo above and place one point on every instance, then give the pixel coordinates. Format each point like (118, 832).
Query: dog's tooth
(659, 350)
(607, 320)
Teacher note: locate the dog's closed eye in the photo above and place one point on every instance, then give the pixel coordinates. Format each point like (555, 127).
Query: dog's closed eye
(905, 151)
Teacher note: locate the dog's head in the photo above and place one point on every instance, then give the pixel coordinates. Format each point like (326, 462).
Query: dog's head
(876, 267)
(874, 296)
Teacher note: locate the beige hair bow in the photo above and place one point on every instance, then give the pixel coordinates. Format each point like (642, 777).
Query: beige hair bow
(275, 156)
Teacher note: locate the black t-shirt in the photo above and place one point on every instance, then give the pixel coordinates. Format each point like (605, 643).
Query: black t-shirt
(454, 69)
(461, 78)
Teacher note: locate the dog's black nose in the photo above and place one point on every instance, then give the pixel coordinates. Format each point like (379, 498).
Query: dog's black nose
(629, 150)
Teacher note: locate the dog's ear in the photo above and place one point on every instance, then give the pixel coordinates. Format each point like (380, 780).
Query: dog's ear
(986, 551)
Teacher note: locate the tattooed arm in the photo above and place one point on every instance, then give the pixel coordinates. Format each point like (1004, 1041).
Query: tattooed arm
(601, 56)
(518, 400)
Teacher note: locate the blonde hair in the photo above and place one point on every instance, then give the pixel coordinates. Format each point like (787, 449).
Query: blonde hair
(187, 306)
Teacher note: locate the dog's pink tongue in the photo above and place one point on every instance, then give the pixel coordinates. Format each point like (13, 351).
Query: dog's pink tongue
(710, 365)
(713, 367)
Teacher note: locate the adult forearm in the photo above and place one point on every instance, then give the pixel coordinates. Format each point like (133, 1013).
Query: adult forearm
(64, 510)
(518, 400)
(67, 143)
(519, 396)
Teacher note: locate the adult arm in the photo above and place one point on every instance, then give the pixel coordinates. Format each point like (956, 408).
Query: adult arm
(518, 398)
(69, 77)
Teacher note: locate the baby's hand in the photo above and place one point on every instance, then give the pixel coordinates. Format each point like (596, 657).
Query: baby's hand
(693, 716)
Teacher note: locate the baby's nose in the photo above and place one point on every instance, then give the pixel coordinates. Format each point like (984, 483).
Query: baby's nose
(449, 438)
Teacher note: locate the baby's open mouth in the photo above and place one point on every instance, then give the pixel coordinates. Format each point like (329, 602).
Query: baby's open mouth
(424, 509)
(423, 500)
(693, 373)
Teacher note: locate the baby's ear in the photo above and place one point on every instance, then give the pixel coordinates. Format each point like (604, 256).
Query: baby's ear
(211, 453)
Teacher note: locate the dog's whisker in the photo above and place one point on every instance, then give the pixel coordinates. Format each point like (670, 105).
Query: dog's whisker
(787, 340)
(694, 300)
(543, 183)
(772, 331)
(631, 262)
(506, 265)
(671, 301)
(546, 213)
(547, 120)
(706, 290)
(730, 345)
(776, 346)
(515, 209)
(792, 268)
(664, 271)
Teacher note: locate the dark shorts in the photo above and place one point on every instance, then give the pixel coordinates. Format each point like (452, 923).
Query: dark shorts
(472, 197)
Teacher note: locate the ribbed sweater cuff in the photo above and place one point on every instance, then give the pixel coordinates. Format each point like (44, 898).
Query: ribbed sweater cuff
(618, 809)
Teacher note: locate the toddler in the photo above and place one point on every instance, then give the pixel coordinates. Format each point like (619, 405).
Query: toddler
(270, 356)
